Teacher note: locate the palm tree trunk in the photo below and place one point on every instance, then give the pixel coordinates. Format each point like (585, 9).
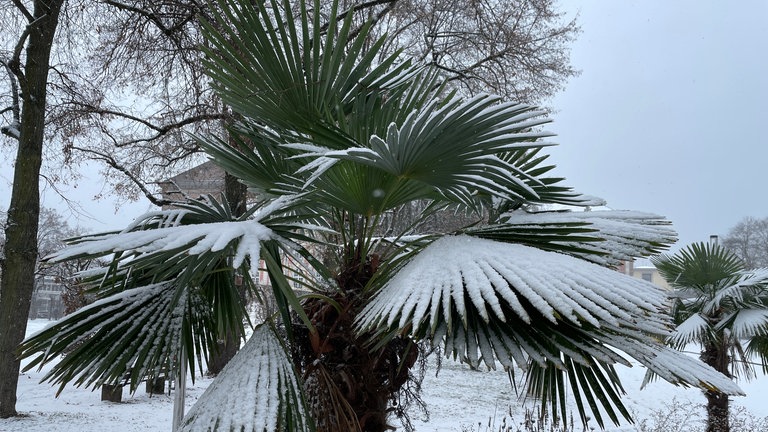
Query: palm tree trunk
(716, 355)
(717, 412)
(350, 384)
(18, 268)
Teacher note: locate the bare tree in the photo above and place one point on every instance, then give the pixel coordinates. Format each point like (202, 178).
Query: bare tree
(749, 241)
(518, 48)
(28, 76)
(128, 99)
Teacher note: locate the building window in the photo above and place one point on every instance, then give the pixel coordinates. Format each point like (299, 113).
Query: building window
(647, 277)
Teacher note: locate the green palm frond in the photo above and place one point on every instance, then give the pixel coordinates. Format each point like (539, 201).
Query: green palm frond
(300, 78)
(549, 190)
(126, 337)
(700, 266)
(480, 299)
(367, 137)
(597, 384)
(601, 237)
(450, 149)
(757, 347)
(258, 390)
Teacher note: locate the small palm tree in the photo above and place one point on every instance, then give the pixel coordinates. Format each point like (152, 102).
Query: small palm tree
(723, 308)
(337, 142)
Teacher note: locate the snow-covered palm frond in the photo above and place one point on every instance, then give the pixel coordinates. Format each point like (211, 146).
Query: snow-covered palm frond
(128, 336)
(695, 328)
(679, 368)
(172, 275)
(199, 227)
(457, 277)
(457, 273)
(601, 237)
(746, 323)
(739, 289)
(488, 301)
(257, 391)
(191, 239)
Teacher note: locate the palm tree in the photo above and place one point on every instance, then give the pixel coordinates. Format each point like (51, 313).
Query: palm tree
(723, 308)
(335, 141)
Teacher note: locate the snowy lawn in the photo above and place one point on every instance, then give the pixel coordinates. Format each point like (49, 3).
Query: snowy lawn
(458, 399)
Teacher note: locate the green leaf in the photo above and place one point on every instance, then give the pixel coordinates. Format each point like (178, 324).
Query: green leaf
(258, 390)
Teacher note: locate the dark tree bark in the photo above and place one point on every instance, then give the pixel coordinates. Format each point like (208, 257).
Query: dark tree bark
(716, 355)
(236, 194)
(18, 268)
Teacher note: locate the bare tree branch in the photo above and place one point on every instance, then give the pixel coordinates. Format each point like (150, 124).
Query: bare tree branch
(109, 160)
(23, 9)
(160, 129)
(12, 130)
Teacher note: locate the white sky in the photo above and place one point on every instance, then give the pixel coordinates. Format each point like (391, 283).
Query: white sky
(667, 116)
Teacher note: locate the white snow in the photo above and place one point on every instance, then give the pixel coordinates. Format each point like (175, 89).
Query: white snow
(458, 398)
(198, 238)
(256, 385)
(625, 233)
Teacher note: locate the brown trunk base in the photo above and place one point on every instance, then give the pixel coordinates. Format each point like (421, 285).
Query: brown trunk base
(350, 385)
(717, 412)
(155, 386)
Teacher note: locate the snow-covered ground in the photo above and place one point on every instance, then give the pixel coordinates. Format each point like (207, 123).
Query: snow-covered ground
(458, 399)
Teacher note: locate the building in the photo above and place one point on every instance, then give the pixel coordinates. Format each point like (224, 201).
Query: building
(643, 269)
(47, 301)
(204, 179)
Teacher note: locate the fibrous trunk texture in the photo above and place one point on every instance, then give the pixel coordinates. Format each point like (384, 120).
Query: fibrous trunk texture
(351, 383)
(716, 355)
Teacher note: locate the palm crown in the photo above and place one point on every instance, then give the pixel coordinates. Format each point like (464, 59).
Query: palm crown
(719, 304)
(335, 141)
(724, 309)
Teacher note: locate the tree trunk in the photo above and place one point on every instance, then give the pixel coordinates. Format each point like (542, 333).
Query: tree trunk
(350, 384)
(18, 268)
(225, 350)
(716, 355)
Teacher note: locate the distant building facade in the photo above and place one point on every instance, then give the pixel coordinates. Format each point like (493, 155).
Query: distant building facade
(204, 179)
(645, 270)
(47, 301)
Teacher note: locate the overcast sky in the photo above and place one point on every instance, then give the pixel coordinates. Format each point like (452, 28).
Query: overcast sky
(668, 115)
(670, 112)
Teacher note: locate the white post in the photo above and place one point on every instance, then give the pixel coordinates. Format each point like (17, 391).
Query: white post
(181, 390)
